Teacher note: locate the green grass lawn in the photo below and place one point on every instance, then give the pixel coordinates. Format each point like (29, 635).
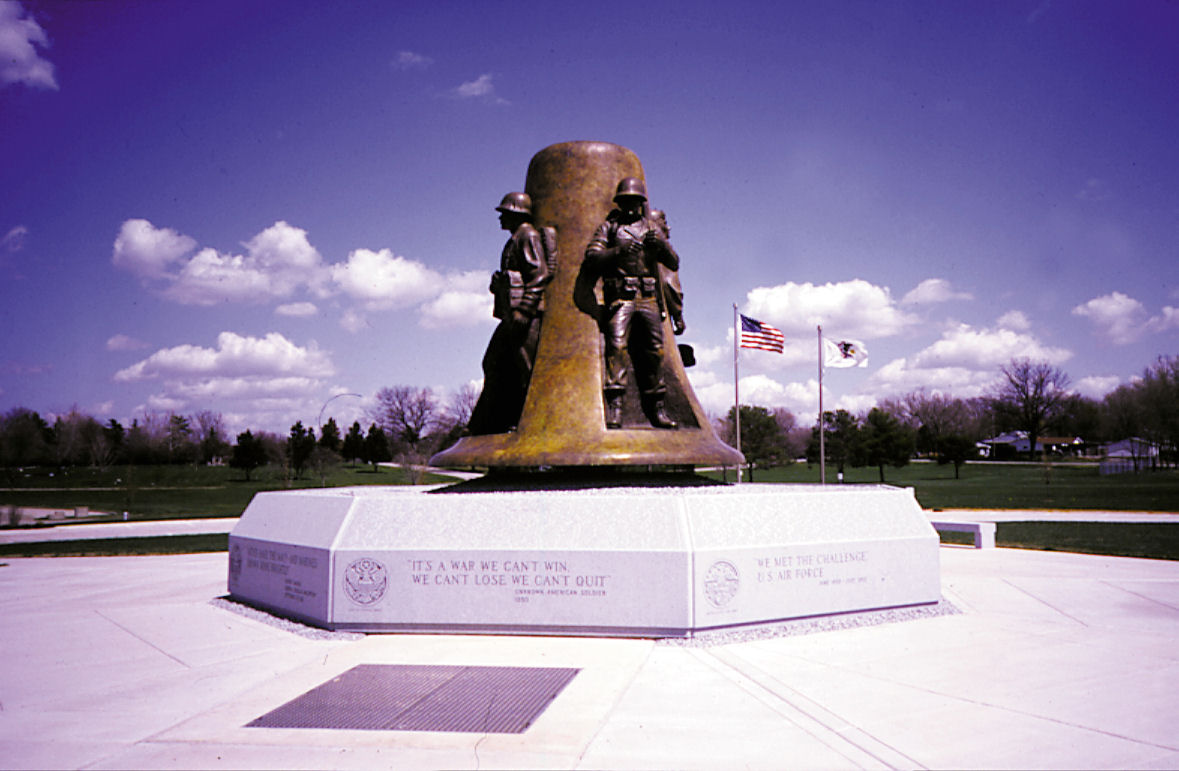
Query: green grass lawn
(119, 547)
(1003, 486)
(1153, 540)
(162, 492)
(166, 492)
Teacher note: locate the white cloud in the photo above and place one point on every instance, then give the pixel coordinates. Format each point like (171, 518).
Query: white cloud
(1015, 320)
(210, 278)
(965, 362)
(300, 310)
(479, 88)
(966, 346)
(464, 302)
(1123, 320)
(288, 259)
(382, 280)
(934, 290)
(716, 396)
(148, 251)
(1097, 386)
(124, 343)
(269, 381)
(706, 356)
(277, 262)
(165, 403)
(280, 260)
(234, 356)
(353, 321)
(900, 376)
(234, 388)
(851, 308)
(1168, 320)
(20, 37)
(408, 60)
(14, 240)
(1119, 317)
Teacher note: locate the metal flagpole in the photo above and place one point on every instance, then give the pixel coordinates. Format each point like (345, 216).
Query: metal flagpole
(822, 438)
(736, 387)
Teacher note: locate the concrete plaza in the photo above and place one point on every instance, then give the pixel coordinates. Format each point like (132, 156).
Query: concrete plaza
(1055, 661)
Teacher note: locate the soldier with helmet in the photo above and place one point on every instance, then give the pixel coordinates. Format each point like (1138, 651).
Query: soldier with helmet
(518, 288)
(626, 251)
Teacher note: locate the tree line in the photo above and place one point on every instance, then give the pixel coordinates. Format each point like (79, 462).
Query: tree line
(1032, 397)
(409, 424)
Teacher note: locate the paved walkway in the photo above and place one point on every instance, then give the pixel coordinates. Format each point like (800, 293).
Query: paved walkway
(84, 531)
(1057, 661)
(69, 532)
(1053, 515)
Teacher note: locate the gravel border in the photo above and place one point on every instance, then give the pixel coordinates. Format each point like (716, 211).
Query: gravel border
(705, 639)
(812, 625)
(278, 622)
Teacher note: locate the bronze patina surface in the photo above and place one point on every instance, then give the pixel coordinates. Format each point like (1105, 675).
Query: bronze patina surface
(563, 423)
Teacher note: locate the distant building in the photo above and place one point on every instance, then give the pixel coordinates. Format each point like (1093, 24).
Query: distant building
(1131, 455)
(1015, 444)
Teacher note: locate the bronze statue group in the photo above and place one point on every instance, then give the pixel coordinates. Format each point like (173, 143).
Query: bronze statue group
(631, 255)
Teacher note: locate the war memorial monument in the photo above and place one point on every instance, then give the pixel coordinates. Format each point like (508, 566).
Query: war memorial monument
(590, 520)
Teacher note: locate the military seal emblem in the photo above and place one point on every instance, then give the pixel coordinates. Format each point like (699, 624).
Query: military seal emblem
(721, 582)
(365, 581)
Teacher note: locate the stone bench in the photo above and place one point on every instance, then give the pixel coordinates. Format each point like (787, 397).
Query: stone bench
(984, 532)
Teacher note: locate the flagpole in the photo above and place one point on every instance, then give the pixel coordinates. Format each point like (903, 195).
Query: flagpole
(822, 439)
(736, 387)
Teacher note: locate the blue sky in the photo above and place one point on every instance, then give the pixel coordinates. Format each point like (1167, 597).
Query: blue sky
(249, 207)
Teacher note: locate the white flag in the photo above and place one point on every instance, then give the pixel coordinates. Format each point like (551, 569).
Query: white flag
(844, 353)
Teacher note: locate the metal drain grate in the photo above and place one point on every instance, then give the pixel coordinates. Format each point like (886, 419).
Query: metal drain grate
(384, 697)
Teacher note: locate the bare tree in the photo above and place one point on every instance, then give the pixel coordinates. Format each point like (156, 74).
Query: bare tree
(406, 413)
(1033, 395)
(461, 405)
(210, 435)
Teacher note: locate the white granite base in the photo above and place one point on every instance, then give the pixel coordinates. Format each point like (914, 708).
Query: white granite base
(614, 561)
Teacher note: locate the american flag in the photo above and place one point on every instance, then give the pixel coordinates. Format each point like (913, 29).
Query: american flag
(759, 335)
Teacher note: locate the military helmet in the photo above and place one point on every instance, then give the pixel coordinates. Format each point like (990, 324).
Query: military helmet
(519, 203)
(631, 186)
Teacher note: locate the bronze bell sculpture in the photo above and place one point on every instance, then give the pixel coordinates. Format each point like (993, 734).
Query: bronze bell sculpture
(606, 385)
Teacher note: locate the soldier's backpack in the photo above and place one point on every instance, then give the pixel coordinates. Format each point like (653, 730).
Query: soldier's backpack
(510, 295)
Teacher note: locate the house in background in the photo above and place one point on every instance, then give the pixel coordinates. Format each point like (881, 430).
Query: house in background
(1131, 455)
(1014, 445)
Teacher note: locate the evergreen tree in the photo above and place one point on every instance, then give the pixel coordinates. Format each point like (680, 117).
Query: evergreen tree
(248, 454)
(376, 446)
(300, 443)
(353, 447)
(841, 439)
(764, 440)
(329, 435)
(884, 440)
(956, 449)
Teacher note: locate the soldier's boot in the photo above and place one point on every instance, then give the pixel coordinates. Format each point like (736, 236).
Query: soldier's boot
(657, 415)
(613, 409)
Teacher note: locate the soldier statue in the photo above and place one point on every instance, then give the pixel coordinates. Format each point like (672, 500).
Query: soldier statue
(518, 288)
(673, 293)
(626, 251)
